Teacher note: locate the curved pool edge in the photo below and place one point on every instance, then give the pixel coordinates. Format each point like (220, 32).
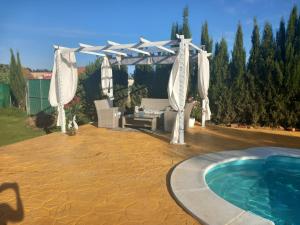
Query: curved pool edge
(189, 188)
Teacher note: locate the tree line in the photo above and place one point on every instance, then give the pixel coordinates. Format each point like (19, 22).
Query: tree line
(264, 90)
(261, 90)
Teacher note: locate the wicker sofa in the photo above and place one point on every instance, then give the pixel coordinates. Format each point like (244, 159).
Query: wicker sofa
(170, 116)
(154, 104)
(108, 116)
(167, 116)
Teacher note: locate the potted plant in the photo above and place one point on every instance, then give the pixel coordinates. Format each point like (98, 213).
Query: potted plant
(195, 114)
(72, 109)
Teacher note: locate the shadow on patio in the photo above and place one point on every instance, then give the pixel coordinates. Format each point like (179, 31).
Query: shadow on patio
(8, 213)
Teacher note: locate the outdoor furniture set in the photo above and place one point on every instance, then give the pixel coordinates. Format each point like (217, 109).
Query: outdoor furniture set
(153, 114)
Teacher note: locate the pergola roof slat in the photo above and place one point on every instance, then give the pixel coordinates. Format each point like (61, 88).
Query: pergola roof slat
(111, 43)
(150, 56)
(114, 52)
(138, 46)
(161, 47)
(93, 53)
(66, 49)
(87, 47)
(148, 60)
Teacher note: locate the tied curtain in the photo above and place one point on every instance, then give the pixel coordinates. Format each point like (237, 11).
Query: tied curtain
(203, 84)
(106, 78)
(63, 83)
(174, 90)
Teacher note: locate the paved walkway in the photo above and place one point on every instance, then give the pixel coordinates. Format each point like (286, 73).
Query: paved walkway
(106, 177)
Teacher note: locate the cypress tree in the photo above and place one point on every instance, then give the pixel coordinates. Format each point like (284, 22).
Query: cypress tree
(255, 105)
(161, 79)
(89, 89)
(280, 59)
(144, 75)
(296, 77)
(272, 78)
(178, 28)
(291, 75)
(12, 75)
(254, 58)
(290, 47)
(267, 67)
(173, 31)
(120, 85)
(185, 25)
(120, 76)
(219, 91)
(22, 82)
(206, 40)
(237, 72)
(17, 81)
(280, 44)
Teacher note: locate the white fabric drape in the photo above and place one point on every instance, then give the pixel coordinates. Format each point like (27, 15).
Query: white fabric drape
(203, 82)
(174, 90)
(106, 78)
(63, 83)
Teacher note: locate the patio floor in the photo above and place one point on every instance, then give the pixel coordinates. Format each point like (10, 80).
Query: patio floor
(108, 177)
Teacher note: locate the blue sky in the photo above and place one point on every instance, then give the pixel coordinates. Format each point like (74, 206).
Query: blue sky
(32, 27)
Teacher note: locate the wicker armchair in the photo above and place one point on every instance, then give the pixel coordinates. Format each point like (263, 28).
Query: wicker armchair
(170, 116)
(108, 116)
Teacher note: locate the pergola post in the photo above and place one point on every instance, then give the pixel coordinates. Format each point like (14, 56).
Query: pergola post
(181, 87)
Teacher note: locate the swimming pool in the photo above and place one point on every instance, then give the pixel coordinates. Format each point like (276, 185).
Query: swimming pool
(255, 186)
(268, 187)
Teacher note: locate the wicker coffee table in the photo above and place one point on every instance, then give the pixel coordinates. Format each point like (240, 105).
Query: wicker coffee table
(140, 120)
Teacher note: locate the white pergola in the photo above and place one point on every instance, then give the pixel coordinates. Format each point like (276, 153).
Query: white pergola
(145, 52)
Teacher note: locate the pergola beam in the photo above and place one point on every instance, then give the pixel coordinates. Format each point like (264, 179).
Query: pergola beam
(194, 46)
(111, 43)
(87, 47)
(93, 53)
(148, 60)
(66, 49)
(143, 40)
(138, 46)
(114, 52)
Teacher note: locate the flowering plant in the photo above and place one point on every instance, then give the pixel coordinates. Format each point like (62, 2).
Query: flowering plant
(72, 109)
(196, 111)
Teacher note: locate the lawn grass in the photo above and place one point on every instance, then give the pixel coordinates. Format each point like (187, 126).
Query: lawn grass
(13, 127)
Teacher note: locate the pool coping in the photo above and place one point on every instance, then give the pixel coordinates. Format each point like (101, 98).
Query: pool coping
(194, 195)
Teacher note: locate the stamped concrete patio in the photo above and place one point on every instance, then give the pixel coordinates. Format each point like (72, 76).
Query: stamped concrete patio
(108, 177)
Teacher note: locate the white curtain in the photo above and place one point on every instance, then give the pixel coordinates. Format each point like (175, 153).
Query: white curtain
(173, 91)
(63, 83)
(203, 83)
(106, 78)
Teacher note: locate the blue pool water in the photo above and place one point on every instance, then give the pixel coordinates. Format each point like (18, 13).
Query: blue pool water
(268, 187)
